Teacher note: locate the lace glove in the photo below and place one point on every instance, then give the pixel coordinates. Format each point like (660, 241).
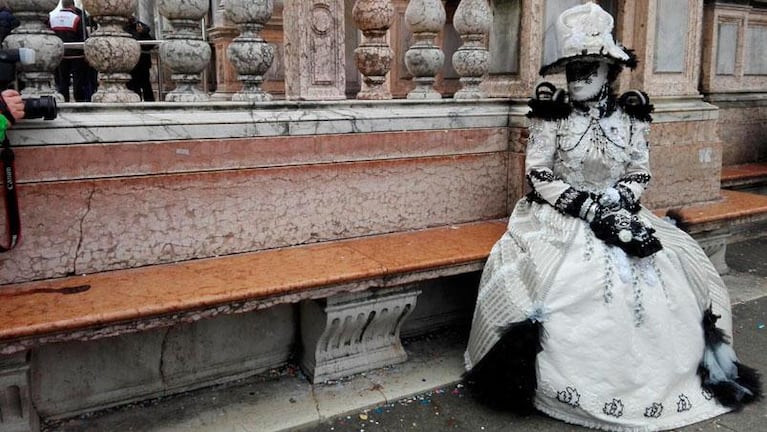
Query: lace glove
(630, 189)
(622, 229)
(580, 204)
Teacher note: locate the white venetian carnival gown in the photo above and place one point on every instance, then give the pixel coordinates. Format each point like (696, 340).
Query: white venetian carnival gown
(622, 336)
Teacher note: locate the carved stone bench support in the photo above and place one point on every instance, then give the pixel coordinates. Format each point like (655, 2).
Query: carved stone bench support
(16, 411)
(352, 333)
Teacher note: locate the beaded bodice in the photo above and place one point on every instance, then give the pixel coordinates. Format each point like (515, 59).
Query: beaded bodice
(592, 153)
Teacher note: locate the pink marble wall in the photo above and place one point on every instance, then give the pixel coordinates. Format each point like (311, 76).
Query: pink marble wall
(217, 197)
(743, 131)
(686, 161)
(170, 201)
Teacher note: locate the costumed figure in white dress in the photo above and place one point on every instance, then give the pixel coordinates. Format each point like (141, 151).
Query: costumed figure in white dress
(591, 309)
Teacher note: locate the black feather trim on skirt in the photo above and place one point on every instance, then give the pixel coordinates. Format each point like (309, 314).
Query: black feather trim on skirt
(505, 379)
(743, 384)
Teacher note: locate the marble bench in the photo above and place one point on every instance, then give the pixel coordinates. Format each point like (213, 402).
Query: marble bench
(712, 224)
(744, 175)
(354, 296)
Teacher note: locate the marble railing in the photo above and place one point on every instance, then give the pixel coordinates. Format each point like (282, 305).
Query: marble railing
(316, 47)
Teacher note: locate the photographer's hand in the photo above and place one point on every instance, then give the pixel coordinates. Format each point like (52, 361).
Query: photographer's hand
(14, 104)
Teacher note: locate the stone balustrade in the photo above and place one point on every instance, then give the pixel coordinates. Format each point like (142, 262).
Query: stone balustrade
(382, 49)
(312, 51)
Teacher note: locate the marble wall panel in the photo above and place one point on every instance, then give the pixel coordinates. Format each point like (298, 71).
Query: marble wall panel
(733, 61)
(504, 37)
(89, 226)
(726, 49)
(530, 53)
(756, 50)
(315, 61)
(667, 37)
(671, 29)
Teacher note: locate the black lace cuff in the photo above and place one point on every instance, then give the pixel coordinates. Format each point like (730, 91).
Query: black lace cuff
(575, 203)
(628, 200)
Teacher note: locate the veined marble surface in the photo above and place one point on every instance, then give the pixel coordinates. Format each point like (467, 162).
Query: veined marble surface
(107, 123)
(82, 123)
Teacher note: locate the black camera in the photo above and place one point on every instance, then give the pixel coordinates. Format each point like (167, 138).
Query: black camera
(43, 107)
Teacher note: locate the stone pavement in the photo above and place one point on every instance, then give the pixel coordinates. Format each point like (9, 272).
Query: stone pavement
(450, 408)
(423, 394)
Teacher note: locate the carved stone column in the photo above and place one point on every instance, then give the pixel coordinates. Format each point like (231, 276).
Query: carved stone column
(34, 34)
(250, 54)
(112, 51)
(183, 49)
(425, 19)
(472, 20)
(314, 49)
(373, 57)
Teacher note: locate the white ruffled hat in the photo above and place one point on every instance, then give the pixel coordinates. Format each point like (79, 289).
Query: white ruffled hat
(584, 32)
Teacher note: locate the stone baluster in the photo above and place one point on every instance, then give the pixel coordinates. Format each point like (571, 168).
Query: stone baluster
(183, 48)
(249, 53)
(49, 49)
(425, 19)
(373, 57)
(112, 51)
(472, 21)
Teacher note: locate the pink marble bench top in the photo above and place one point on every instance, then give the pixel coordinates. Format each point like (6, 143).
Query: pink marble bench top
(732, 207)
(77, 305)
(744, 172)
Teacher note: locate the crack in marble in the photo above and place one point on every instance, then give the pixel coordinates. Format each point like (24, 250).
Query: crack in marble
(78, 249)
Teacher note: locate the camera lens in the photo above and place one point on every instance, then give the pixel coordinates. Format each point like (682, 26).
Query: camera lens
(43, 107)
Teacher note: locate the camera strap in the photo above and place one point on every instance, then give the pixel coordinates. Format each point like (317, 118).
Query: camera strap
(13, 219)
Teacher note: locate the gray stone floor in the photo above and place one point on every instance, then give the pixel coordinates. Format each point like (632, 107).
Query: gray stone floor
(450, 408)
(423, 394)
